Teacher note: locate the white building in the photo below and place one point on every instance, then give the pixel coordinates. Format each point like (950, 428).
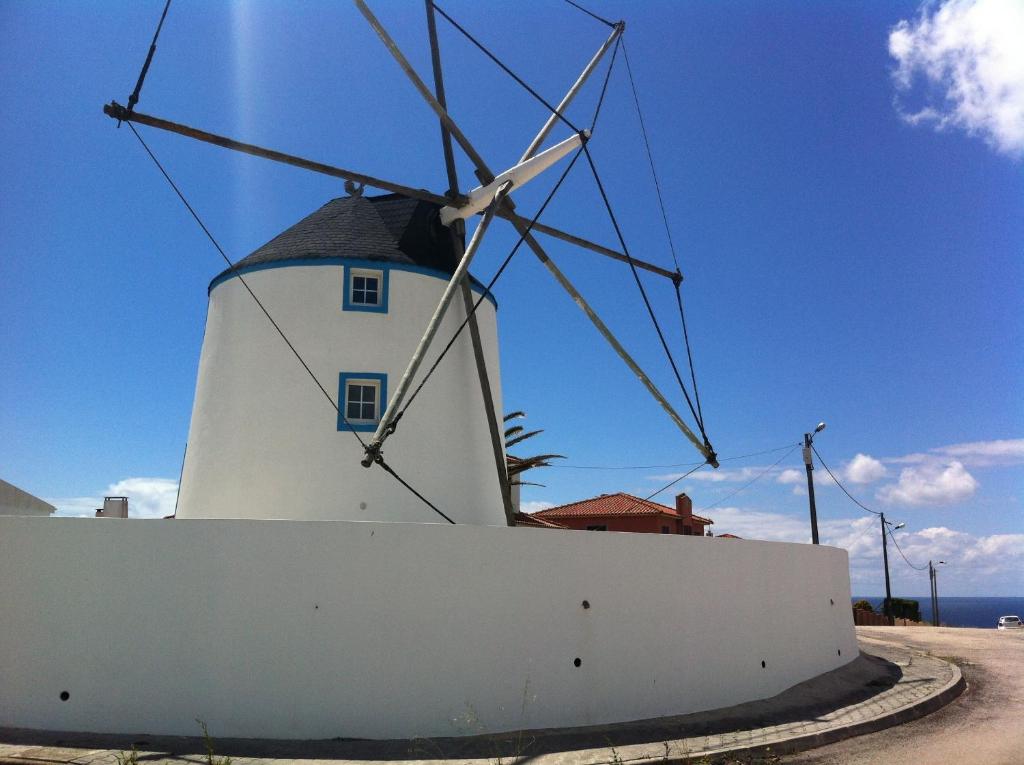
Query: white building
(352, 286)
(15, 501)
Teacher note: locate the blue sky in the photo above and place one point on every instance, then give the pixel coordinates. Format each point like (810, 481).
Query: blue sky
(843, 185)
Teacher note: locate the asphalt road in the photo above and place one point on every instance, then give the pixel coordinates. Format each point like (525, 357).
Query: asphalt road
(984, 725)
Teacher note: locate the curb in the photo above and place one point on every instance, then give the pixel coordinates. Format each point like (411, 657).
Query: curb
(793, 744)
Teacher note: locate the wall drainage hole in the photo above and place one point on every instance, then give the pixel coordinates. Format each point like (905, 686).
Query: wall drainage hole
(585, 604)
(64, 695)
(831, 602)
(763, 665)
(839, 652)
(577, 661)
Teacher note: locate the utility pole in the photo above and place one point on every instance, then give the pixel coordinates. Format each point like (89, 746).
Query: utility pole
(933, 575)
(808, 440)
(887, 605)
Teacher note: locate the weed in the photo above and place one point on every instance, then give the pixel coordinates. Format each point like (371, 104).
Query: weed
(127, 758)
(208, 744)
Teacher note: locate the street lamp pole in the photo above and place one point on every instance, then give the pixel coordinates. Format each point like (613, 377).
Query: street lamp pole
(808, 440)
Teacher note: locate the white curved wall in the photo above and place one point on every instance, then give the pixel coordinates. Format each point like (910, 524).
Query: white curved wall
(264, 442)
(290, 629)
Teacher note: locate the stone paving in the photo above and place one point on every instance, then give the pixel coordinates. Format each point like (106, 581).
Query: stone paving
(887, 685)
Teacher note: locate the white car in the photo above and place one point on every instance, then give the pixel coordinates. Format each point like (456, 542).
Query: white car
(1009, 623)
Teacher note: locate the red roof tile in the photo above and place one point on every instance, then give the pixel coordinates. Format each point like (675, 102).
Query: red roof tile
(525, 519)
(612, 504)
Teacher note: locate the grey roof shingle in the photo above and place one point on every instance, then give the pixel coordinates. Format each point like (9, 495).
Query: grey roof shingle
(389, 227)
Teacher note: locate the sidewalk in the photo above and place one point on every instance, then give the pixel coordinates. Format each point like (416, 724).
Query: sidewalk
(887, 685)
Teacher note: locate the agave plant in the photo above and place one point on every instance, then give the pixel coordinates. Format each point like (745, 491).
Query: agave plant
(516, 466)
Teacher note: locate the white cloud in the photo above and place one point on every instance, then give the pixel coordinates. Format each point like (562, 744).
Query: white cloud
(791, 475)
(864, 468)
(714, 476)
(534, 506)
(962, 62)
(930, 484)
(147, 498)
(1009, 451)
(758, 524)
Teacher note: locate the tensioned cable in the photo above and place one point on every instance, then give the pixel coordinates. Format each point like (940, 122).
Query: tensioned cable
(380, 461)
(750, 482)
(676, 465)
(504, 68)
(857, 503)
(134, 97)
(643, 294)
(604, 87)
(241, 278)
(667, 486)
(668, 229)
(487, 289)
(591, 13)
(508, 258)
(905, 559)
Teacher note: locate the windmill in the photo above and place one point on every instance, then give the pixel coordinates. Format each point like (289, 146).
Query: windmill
(490, 198)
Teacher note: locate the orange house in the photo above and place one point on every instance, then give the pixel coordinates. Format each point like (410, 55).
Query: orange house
(624, 512)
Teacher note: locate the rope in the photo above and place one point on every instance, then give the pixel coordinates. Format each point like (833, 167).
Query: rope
(650, 154)
(487, 289)
(270, 318)
(750, 482)
(668, 232)
(504, 68)
(861, 506)
(900, 551)
(388, 469)
(134, 97)
(667, 486)
(604, 87)
(676, 465)
(643, 294)
(590, 13)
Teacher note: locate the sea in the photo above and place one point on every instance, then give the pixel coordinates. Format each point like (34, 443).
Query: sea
(960, 612)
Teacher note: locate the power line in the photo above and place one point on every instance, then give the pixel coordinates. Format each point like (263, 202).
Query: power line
(905, 559)
(852, 498)
(675, 465)
(756, 478)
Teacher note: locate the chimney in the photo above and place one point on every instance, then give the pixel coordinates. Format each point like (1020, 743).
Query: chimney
(684, 506)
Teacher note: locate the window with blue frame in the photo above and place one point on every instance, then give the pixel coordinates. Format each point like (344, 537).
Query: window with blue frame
(366, 289)
(362, 397)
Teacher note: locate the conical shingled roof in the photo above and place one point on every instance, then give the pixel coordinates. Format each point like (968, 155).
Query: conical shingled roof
(388, 228)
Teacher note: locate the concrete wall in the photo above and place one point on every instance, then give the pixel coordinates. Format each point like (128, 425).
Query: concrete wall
(318, 629)
(264, 441)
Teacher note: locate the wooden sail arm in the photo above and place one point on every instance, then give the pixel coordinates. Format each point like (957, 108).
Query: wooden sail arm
(119, 113)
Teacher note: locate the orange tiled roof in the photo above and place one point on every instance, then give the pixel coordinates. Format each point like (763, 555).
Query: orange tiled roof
(525, 519)
(612, 504)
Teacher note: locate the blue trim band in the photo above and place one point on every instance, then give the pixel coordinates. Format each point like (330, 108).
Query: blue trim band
(340, 261)
(382, 402)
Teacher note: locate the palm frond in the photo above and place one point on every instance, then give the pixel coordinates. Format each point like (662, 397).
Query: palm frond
(513, 416)
(510, 442)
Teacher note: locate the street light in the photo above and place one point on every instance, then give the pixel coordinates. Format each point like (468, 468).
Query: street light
(933, 579)
(887, 605)
(808, 440)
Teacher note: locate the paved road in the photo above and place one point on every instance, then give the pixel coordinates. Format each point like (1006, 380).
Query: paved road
(984, 725)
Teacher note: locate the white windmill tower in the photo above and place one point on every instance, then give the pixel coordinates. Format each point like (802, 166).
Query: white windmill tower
(349, 290)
